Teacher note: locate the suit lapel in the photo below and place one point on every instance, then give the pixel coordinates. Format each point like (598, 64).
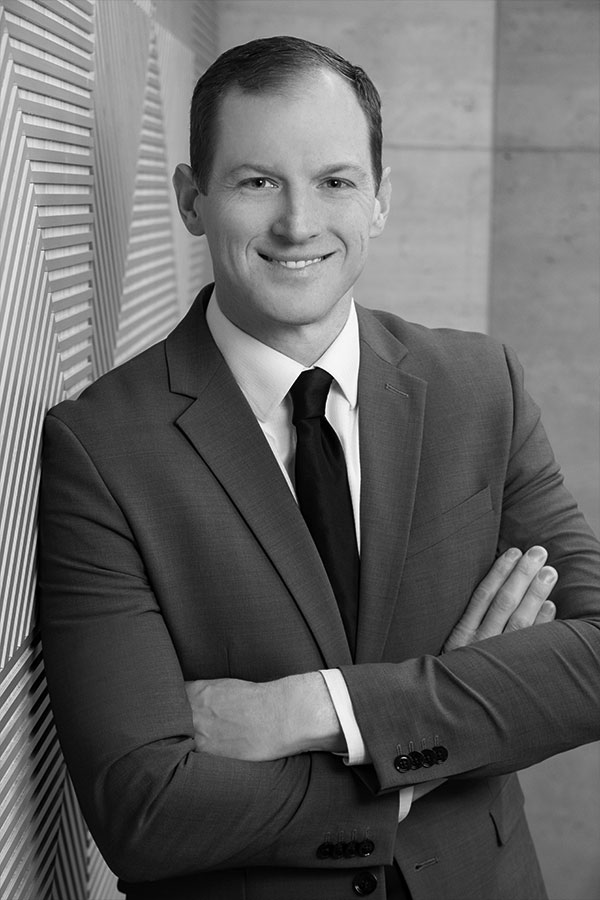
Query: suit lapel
(223, 430)
(391, 404)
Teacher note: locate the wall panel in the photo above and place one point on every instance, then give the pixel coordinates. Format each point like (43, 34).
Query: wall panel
(148, 307)
(123, 40)
(544, 292)
(45, 274)
(94, 266)
(32, 779)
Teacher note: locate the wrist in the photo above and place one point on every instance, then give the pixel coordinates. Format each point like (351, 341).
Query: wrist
(311, 723)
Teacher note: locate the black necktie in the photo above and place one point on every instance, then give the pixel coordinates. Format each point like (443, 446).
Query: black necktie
(323, 492)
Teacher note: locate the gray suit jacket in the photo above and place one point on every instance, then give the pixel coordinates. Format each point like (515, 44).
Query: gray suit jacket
(171, 549)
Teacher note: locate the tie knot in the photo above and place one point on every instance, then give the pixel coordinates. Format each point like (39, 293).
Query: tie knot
(309, 394)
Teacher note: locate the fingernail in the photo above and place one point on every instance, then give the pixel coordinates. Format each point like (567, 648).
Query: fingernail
(513, 554)
(537, 554)
(547, 576)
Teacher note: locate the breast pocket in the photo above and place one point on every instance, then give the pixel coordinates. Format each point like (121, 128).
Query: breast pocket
(427, 534)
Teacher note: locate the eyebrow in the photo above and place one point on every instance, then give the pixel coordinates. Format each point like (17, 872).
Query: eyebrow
(250, 167)
(332, 169)
(345, 167)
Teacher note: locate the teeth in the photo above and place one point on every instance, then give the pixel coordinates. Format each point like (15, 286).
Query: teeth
(298, 263)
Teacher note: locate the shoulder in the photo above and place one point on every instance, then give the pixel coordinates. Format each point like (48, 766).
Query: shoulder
(125, 400)
(155, 383)
(431, 351)
(419, 338)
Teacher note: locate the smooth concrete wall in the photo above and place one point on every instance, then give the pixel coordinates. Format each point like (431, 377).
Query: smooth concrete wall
(545, 267)
(544, 293)
(479, 94)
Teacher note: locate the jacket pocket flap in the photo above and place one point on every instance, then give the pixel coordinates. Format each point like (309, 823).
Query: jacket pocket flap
(427, 534)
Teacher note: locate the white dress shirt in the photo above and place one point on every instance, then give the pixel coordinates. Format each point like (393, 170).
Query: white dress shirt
(265, 376)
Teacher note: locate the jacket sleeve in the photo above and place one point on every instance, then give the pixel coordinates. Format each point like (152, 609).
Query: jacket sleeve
(510, 701)
(156, 806)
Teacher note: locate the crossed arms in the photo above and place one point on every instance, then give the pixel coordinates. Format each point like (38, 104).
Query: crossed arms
(265, 721)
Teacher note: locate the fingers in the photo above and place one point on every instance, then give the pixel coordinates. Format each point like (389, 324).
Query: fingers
(465, 631)
(530, 607)
(513, 595)
(547, 613)
(519, 600)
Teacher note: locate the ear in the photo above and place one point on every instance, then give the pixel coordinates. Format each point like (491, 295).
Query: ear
(382, 204)
(187, 194)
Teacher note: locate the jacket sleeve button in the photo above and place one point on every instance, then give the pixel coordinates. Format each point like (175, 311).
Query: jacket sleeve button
(337, 851)
(324, 850)
(350, 849)
(441, 753)
(429, 758)
(416, 759)
(402, 763)
(364, 883)
(366, 847)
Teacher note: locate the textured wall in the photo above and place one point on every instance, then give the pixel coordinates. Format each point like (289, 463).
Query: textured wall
(94, 266)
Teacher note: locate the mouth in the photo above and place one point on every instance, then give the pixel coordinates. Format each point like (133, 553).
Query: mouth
(295, 263)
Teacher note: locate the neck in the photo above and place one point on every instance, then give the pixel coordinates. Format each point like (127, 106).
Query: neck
(304, 342)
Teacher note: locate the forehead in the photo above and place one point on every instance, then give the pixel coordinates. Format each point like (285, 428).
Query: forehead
(316, 114)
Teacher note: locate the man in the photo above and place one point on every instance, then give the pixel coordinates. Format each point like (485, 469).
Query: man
(237, 720)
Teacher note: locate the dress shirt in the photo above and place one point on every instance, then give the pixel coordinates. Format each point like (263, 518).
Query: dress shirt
(265, 376)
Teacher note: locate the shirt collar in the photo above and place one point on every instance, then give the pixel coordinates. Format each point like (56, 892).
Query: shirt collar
(265, 375)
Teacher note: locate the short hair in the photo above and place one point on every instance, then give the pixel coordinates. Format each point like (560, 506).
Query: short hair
(271, 64)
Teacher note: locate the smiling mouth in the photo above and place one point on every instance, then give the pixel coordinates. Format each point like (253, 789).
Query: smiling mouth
(295, 263)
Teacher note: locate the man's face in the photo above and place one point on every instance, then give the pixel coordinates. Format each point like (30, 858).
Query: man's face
(290, 207)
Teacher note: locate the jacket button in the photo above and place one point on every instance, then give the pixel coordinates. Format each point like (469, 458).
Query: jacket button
(324, 850)
(364, 884)
(366, 847)
(416, 759)
(402, 763)
(337, 851)
(429, 758)
(441, 753)
(351, 849)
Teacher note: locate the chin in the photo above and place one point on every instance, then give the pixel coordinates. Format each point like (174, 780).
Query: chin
(302, 313)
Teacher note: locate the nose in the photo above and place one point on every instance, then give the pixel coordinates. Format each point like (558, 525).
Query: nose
(297, 220)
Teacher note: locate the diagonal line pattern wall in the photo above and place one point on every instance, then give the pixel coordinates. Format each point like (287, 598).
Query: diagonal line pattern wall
(45, 279)
(149, 292)
(94, 266)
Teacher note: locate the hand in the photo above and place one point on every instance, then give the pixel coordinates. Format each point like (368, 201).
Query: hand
(513, 595)
(271, 720)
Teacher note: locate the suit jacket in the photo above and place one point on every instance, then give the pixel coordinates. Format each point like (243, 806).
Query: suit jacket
(171, 549)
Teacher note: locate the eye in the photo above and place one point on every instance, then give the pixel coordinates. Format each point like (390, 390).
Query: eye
(337, 183)
(259, 183)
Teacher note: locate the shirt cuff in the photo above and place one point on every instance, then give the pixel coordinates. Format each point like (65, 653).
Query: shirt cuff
(405, 801)
(338, 691)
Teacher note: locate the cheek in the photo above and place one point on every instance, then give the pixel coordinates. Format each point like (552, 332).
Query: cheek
(361, 236)
(356, 224)
(228, 243)
(238, 232)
